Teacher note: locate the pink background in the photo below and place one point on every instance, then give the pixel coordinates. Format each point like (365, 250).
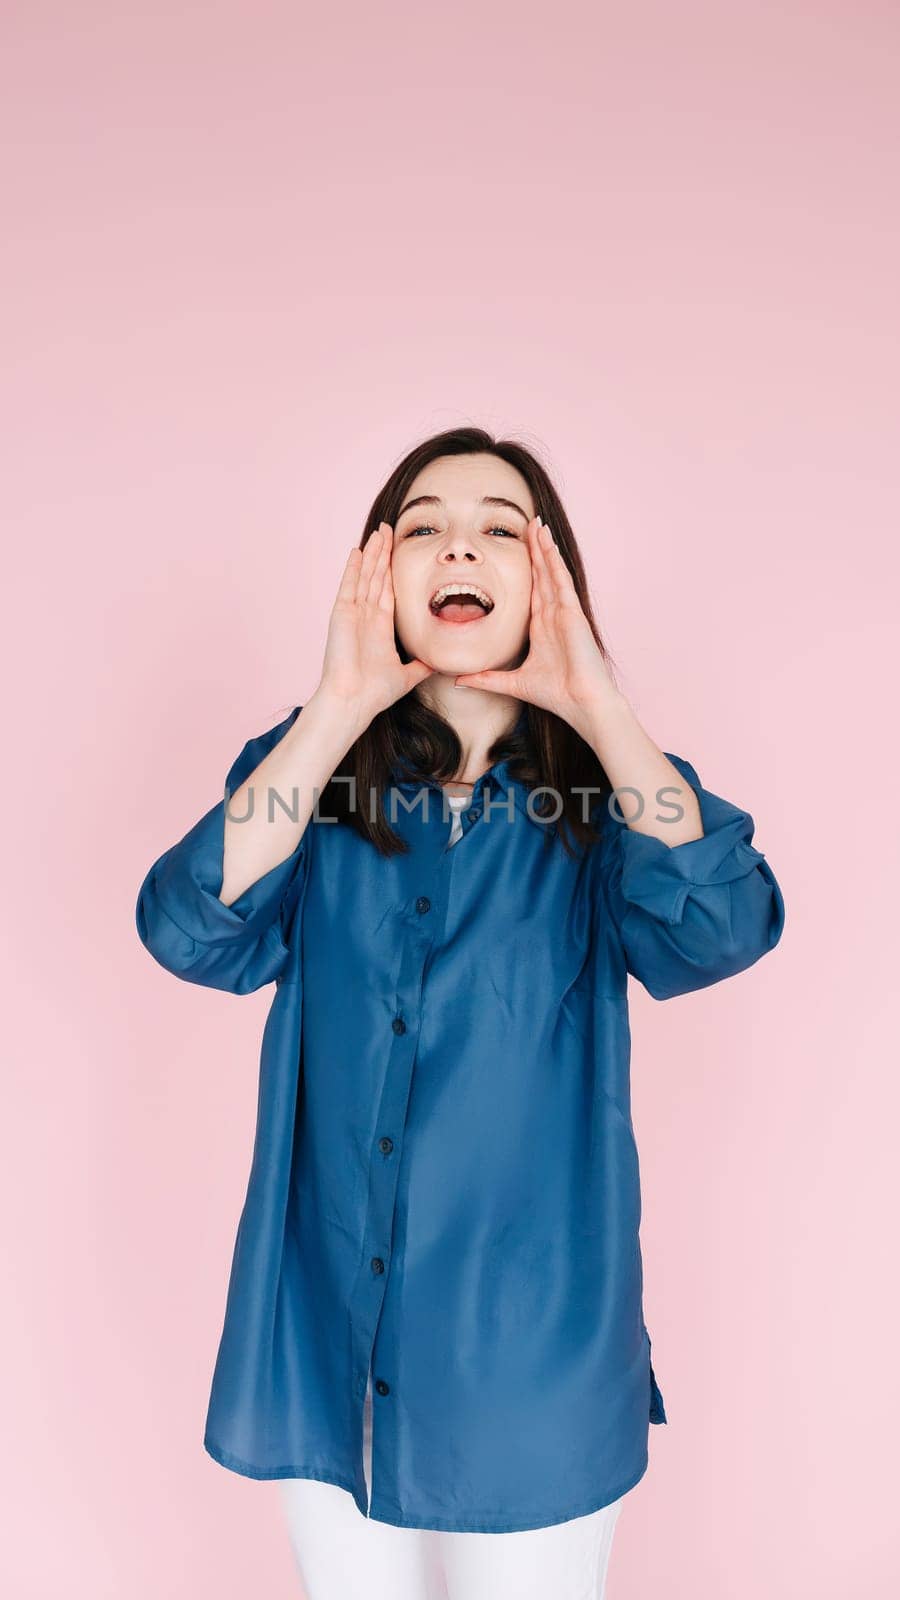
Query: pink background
(253, 253)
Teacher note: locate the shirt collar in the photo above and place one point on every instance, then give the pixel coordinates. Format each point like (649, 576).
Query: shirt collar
(497, 779)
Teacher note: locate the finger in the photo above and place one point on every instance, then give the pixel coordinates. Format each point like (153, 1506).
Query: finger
(545, 581)
(386, 597)
(561, 577)
(349, 576)
(379, 567)
(370, 554)
(414, 672)
(538, 582)
(534, 552)
(496, 682)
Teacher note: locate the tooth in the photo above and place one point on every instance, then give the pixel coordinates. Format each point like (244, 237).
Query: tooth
(454, 588)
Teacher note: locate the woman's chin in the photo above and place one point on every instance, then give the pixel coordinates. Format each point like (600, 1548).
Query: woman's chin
(450, 664)
(450, 657)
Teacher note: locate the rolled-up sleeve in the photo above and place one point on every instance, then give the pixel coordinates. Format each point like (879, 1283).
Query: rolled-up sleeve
(690, 914)
(180, 918)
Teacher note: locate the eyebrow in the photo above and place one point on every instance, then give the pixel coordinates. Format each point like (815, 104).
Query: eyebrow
(486, 500)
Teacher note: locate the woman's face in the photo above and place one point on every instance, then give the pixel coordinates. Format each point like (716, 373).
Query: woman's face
(468, 529)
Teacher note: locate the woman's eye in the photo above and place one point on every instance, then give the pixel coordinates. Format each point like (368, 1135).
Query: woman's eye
(426, 528)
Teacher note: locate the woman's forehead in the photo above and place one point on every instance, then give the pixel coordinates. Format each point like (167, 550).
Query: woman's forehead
(463, 482)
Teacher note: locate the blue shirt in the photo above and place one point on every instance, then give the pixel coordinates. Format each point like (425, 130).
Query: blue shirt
(444, 1179)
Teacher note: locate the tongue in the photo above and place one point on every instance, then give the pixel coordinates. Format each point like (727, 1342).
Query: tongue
(462, 608)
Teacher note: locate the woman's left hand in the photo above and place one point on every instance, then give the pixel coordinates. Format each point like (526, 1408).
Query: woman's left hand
(564, 671)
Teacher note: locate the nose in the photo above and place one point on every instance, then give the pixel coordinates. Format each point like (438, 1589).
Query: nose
(459, 547)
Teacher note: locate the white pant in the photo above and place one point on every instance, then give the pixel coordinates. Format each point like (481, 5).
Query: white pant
(342, 1555)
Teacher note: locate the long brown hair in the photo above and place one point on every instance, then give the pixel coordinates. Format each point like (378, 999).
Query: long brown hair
(543, 749)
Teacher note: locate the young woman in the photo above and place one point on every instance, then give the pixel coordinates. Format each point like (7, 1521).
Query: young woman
(434, 1330)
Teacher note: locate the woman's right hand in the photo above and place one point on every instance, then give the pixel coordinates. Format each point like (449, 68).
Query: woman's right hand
(362, 670)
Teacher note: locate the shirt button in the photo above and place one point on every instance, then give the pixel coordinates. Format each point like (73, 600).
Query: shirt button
(398, 1025)
(423, 903)
(382, 1387)
(377, 1264)
(386, 1145)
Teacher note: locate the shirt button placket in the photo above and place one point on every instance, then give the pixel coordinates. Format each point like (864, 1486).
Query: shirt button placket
(384, 1176)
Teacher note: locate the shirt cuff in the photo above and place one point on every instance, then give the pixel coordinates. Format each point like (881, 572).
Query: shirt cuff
(189, 879)
(659, 877)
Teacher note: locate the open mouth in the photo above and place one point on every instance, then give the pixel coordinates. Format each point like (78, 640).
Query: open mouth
(460, 603)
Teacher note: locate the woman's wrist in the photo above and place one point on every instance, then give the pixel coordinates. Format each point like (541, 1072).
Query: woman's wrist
(339, 722)
(601, 718)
